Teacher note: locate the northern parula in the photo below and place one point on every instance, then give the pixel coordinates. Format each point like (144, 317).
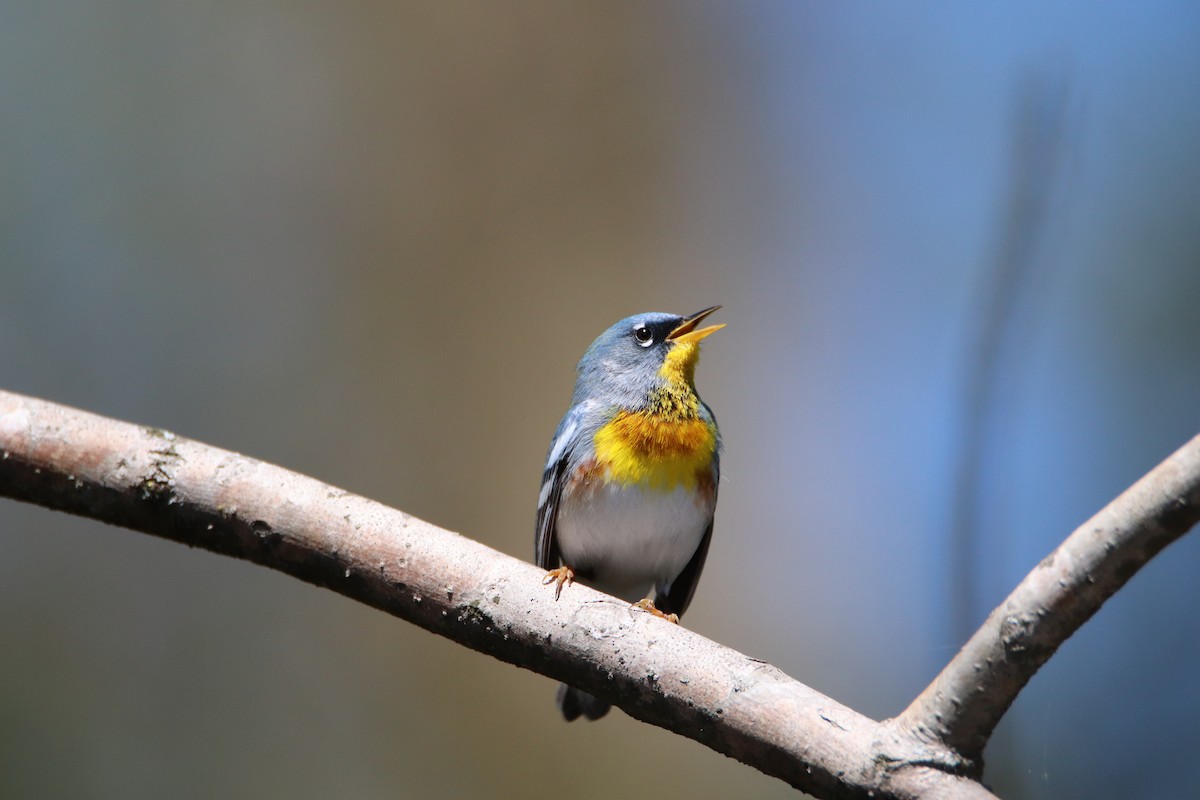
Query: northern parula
(630, 482)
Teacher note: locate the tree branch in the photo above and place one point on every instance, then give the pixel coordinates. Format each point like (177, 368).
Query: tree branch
(963, 705)
(153, 481)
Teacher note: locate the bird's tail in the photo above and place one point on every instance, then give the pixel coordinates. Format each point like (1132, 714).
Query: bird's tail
(575, 703)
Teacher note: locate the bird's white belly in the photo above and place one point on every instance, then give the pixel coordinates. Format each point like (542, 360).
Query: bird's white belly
(629, 539)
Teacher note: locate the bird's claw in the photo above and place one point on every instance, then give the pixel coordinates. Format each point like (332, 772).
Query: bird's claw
(648, 606)
(559, 576)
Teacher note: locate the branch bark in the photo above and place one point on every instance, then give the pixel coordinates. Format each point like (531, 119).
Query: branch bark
(153, 481)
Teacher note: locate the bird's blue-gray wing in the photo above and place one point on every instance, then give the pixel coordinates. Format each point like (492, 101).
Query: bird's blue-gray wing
(554, 475)
(677, 595)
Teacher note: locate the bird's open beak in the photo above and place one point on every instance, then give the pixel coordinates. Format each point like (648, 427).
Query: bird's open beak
(687, 332)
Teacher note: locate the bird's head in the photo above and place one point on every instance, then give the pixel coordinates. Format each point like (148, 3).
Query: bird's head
(641, 354)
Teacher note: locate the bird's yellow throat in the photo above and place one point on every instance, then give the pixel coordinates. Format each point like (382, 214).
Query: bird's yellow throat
(667, 445)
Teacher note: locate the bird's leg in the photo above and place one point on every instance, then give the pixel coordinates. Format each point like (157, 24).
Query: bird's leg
(559, 576)
(647, 605)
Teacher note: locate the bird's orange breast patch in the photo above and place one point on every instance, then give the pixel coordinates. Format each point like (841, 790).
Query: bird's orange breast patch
(654, 450)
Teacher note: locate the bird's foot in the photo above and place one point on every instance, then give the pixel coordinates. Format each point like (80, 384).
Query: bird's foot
(559, 577)
(647, 605)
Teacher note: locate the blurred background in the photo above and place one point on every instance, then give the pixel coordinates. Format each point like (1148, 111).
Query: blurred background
(959, 254)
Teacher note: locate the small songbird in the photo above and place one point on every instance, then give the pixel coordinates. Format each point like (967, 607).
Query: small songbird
(630, 483)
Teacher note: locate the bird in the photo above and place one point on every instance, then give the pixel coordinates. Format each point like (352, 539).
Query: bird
(629, 488)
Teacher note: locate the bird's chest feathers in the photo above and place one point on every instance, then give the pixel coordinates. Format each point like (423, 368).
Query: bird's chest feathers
(664, 448)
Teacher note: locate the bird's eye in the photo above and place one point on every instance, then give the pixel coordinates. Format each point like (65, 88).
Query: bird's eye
(643, 335)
